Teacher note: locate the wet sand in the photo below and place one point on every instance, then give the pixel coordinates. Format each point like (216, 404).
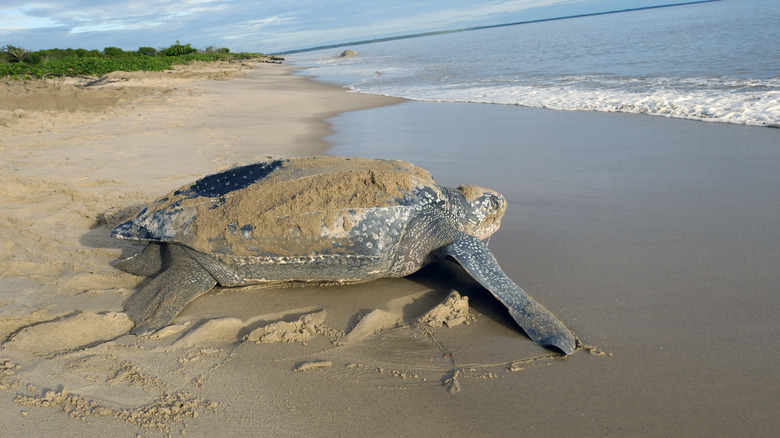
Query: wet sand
(654, 240)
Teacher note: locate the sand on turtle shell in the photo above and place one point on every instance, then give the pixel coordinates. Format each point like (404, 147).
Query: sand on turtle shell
(299, 198)
(472, 192)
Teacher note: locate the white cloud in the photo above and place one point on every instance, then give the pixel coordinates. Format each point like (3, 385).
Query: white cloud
(246, 24)
(18, 18)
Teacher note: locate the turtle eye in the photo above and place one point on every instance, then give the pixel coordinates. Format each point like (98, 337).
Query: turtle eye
(494, 204)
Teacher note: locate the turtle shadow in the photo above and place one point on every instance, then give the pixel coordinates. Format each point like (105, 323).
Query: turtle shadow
(99, 233)
(444, 276)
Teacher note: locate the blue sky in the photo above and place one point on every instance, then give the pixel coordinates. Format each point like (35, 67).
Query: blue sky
(261, 26)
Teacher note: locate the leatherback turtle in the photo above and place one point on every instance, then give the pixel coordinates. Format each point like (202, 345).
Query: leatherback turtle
(317, 220)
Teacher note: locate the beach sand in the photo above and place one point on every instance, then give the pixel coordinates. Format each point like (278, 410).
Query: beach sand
(652, 239)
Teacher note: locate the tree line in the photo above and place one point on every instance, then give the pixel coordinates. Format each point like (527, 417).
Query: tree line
(20, 63)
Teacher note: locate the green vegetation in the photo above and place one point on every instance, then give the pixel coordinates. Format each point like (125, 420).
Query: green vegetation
(19, 63)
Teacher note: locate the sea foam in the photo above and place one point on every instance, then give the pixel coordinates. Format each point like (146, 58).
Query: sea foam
(728, 100)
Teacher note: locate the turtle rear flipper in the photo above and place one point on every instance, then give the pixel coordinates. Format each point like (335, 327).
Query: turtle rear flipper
(154, 306)
(147, 263)
(537, 322)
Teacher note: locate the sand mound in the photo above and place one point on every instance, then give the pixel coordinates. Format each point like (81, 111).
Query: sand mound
(212, 330)
(300, 331)
(454, 310)
(69, 333)
(371, 323)
(22, 97)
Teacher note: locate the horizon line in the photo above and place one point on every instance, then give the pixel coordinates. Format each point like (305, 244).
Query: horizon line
(489, 26)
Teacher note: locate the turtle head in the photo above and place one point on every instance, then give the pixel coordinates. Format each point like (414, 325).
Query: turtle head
(477, 210)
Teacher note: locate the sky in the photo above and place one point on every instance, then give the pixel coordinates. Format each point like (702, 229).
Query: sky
(266, 26)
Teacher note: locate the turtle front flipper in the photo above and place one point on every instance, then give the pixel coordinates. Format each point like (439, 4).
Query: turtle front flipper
(154, 306)
(537, 322)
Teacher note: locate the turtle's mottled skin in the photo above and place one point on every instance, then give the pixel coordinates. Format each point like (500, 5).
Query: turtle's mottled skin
(405, 222)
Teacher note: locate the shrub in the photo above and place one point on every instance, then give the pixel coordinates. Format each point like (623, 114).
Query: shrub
(148, 51)
(179, 49)
(35, 58)
(220, 50)
(113, 51)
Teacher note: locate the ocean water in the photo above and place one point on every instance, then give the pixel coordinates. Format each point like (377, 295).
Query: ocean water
(716, 62)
